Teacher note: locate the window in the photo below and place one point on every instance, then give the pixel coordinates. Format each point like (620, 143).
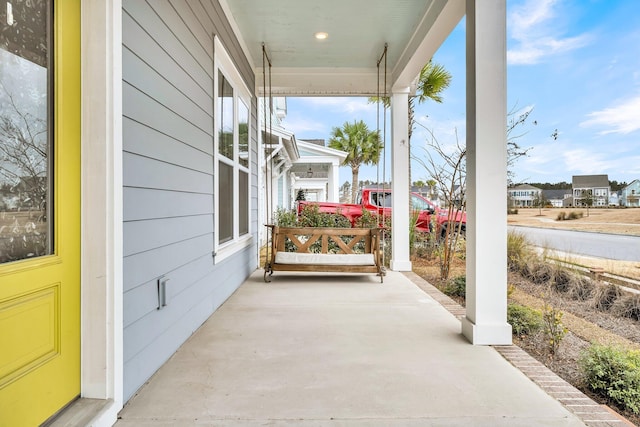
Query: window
(26, 97)
(232, 154)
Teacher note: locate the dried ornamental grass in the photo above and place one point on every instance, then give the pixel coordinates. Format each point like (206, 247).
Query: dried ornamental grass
(605, 296)
(581, 288)
(628, 306)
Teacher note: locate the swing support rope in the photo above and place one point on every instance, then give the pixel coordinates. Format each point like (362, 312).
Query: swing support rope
(381, 99)
(267, 135)
(381, 96)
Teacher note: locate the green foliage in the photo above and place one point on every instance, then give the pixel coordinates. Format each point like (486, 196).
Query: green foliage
(523, 320)
(363, 146)
(285, 218)
(613, 373)
(367, 220)
(312, 217)
(456, 287)
(553, 328)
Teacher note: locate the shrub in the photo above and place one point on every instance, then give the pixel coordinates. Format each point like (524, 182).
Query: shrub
(312, 217)
(606, 296)
(285, 218)
(561, 216)
(367, 220)
(613, 373)
(523, 320)
(456, 287)
(575, 215)
(554, 330)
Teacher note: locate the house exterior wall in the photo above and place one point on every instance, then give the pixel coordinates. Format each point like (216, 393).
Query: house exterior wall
(599, 196)
(630, 195)
(524, 196)
(168, 178)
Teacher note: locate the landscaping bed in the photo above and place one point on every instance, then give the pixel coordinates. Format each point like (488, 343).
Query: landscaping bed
(584, 324)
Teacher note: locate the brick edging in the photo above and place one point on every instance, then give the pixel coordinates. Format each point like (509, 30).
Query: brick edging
(586, 409)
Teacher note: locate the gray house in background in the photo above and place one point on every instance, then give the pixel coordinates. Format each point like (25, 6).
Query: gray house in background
(593, 190)
(557, 198)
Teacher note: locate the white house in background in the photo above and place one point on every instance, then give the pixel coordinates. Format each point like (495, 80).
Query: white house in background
(630, 195)
(590, 187)
(316, 172)
(292, 165)
(524, 196)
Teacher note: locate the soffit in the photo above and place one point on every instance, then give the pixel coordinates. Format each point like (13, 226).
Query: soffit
(344, 63)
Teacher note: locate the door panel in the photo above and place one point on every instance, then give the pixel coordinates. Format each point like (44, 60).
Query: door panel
(40, 213)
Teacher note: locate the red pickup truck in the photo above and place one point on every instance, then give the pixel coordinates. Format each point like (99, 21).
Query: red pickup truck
(378, 201)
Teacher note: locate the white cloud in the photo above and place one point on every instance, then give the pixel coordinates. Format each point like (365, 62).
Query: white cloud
(586, 162)
(340, 104)
(622, 118)
(533, 29)
(300, 126)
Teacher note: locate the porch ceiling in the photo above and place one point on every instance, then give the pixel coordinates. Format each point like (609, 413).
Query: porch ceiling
(345, 62)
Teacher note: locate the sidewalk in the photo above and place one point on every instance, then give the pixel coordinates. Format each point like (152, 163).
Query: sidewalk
(339, 351)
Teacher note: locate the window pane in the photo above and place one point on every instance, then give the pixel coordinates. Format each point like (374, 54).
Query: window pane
(225, 202)
(243, 193)
(225, 117)
(243, 135)
(25, 209)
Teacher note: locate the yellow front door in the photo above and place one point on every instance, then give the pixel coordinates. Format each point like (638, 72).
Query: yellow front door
(39, 209)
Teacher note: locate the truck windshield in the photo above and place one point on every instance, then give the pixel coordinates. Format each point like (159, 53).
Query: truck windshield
(381, 199)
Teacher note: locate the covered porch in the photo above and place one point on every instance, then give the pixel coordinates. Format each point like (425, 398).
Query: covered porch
(345, 350)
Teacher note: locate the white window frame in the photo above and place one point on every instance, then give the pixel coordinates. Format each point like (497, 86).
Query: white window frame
(224, 64)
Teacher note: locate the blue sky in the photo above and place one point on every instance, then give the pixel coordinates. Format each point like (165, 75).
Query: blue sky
(576, 63)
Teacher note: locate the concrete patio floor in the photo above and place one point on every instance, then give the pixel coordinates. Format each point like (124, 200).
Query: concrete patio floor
(339, 350)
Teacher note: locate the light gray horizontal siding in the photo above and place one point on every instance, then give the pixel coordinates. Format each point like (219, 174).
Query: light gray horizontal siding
(149, 81)
(143, 108)
(143, 236)
(149, 265)
(145, 141)
(141, 204)
(169, 186)
(145, 172)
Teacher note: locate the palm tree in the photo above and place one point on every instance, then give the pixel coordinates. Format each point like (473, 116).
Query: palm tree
(362, 145)
(432, 81)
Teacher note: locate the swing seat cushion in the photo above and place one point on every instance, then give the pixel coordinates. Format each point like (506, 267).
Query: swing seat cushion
(324, 259)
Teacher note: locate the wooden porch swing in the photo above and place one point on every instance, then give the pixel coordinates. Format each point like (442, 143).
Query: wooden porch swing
(320, 249)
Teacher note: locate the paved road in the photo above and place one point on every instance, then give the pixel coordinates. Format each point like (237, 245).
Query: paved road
(600, 245)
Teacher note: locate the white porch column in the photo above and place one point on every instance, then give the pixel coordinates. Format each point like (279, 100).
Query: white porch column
(486, 314)
(334, 184)
(400, 180)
